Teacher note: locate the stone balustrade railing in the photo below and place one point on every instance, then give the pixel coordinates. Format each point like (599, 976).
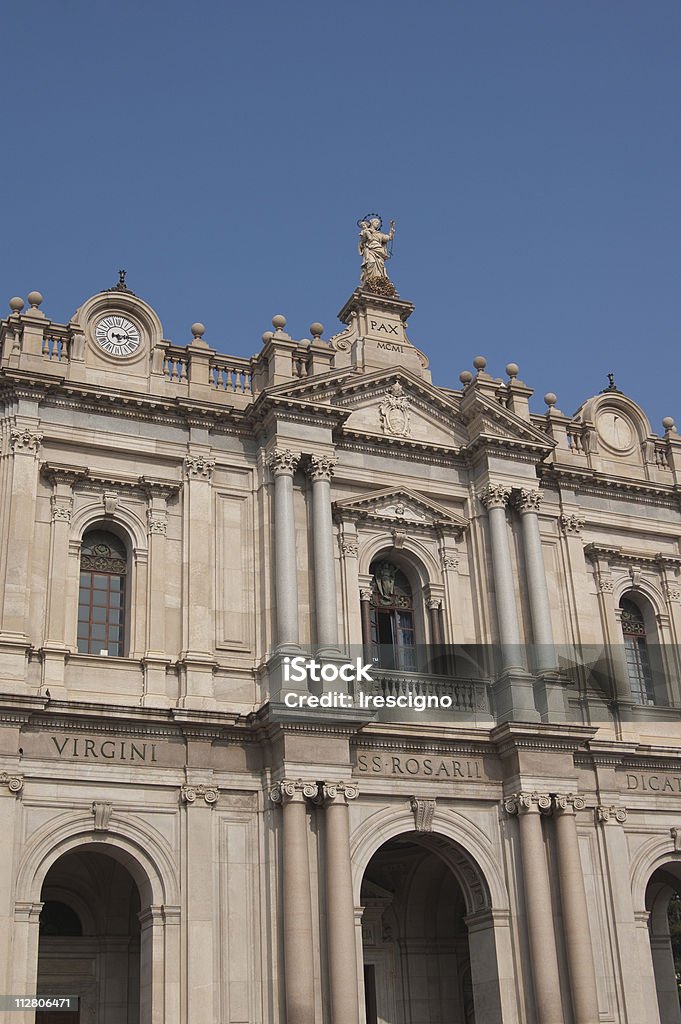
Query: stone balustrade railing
(469, 696)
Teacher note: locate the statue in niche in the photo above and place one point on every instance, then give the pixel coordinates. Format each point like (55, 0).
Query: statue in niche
(384, 577)
(373, 248)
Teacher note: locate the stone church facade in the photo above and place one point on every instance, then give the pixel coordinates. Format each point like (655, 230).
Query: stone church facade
(180, 841)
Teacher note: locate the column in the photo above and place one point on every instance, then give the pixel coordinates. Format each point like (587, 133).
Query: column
(199, 800)
(282, 464)
(156, 657)
(495, 499)
(537, 887)
(365, 610)
(340, 909)
(25, 447)
(527, 502)
(578, 946)
(299, 951)
(56, 646)
(197, 657)
(320, 470)
(152, 981)
(11, 787)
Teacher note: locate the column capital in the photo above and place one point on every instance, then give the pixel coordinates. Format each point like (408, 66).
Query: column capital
(293, 791)
(572, 524)
(321, 467)
(283, 462)
(25, 440)
(199, 467)
(495, 496)
(527, 500)
(341, 792)
(157, 521)
(568, 803)
(14, 783)
(365, 593)
(190, 794)
(527, 803)
(612, 815)
(61, 509)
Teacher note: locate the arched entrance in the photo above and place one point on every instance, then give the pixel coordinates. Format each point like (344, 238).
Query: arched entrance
(427, 935)
(662, 904)
(89, 942)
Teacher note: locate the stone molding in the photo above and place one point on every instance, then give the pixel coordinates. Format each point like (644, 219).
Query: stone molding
(611, 815)
(199, 467)
(26, 440)
(14, 783)
(424, 811)
(572, 524)
(526, 500)
(495, 496)
(289, 790)
(102, 815)
(524, 802)
(190, 794)
(283, 462)
(321, 467)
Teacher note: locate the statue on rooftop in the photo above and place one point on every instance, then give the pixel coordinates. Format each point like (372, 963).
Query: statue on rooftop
(373, 248)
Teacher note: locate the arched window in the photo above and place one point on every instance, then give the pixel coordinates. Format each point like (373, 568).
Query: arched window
(392, 617)
(636, 652)
(101, 599)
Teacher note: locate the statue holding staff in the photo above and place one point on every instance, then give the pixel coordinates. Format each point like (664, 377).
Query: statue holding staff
(373, 248)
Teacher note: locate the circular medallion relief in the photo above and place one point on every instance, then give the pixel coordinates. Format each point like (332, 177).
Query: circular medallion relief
(615, 430)
(117, 335)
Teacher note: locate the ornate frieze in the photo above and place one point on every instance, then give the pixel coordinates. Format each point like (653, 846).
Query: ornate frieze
(321, 467)
(190, 794)
(14, 783)
(199, 467)
(495, 496)
(283, 461)
(424, 811)
(293, 789)
(26, 440)
(526, 500)
(606, 815)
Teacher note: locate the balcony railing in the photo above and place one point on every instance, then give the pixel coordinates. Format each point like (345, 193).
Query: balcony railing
(469, 696)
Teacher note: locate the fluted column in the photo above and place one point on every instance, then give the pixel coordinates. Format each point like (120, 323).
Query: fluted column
(542, 939)
(495, 498)
(340, 909)
(575, 915)
(298, 945)
(528, 502)
(320, 469)
(282, 464)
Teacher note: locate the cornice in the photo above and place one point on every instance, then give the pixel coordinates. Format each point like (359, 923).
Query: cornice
(589, 481)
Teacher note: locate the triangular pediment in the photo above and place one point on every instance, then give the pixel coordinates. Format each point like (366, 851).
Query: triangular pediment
(487, 420)
(400, 506)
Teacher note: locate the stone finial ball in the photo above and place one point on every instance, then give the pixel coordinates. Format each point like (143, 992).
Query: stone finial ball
(668, 423)
(512, 369)
(16, 304)
(479, 362)
(550, 398)
(35, 298)
(267, 336)
(198, 330)
(466, 377)
(279, 322)
(316, 330)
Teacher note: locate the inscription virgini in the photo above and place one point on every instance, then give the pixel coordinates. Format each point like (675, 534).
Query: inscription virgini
(108, 750)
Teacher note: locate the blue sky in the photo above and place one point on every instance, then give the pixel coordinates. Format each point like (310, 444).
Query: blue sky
(222, 152)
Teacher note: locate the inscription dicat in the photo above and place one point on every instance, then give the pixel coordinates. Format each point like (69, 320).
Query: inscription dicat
(417, 766)
(653, 783)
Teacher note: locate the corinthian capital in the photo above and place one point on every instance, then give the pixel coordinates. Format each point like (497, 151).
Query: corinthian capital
(199, 466)
(526, 500)
(25, 440)
(283, 461)
(289, 790)
(495, 496)
(321, 467)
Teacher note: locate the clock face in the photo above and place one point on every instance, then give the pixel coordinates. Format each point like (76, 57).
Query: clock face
(117, 335)
(615, 430)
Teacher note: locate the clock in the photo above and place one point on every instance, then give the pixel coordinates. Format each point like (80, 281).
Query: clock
(615, 430)
(117, 335)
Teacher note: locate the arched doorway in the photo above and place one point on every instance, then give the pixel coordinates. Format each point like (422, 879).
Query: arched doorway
(662, 904)
(89, 942)
(427, 935)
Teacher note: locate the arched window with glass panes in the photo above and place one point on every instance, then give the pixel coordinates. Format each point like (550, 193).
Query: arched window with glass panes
(102, 594)
(636, 652)
(393, 640)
